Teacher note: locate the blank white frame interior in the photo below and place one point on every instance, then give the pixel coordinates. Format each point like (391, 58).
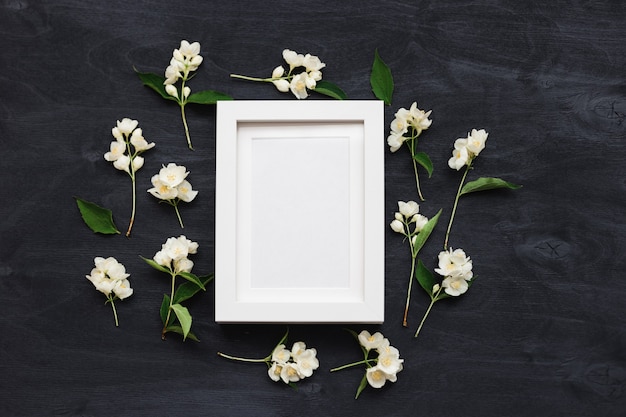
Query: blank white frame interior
(299, 228)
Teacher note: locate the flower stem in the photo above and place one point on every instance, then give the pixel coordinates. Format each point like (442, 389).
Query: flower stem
(417, 181)
(364, 361)
(131, 172)
(456, 202)
(182, 113)
(244, 77)
(432, 302)
(114, 311)
(408, 293)
(169, 309)
(180, 220)
(235, 358)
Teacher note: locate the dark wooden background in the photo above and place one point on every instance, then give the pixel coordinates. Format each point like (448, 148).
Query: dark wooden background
(541, 332)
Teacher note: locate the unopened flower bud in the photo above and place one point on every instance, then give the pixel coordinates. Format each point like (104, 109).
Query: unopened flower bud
(171, 90)
(186, 91)
(397, 226)
(278, 72)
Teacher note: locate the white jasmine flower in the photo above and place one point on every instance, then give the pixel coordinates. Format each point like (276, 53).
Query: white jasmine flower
(162, 259)
(183, 265)
(274, 371)
(476, 141)
(110, 278)
(460, 158)
(290, 373)
(389, 360)
(172, 174)
(175, 249)
(454, 263)
(408, 209)
(293, 58)
(185, 192)
(420, 221)
(372, 341)
(377, 378)
(312, 63)
(280, 354)
(400, 124)
(139, 142)
(118, 147)
(298, 86)
(306, 362)
(397, 226)
(172, 74)
(122, 163)
(126, 126)
(189, 50)
(395, 141)
(315, 75)
(161, 190)
(122, 289)
(455, 285)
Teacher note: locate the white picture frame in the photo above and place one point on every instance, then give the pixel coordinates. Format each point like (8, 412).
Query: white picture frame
(299, 218)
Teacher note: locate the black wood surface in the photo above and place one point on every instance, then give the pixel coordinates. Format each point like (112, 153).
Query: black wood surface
(541, 332)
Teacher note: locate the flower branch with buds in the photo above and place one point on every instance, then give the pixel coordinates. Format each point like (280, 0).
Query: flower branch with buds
(110, 278)
(308, 76)
(287, 365)
(379, 369)
(171, 187)
(416, 228)
(125, 153)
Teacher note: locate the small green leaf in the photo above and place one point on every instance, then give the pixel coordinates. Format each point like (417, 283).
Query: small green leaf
(207, 97)
(330, 89)
(425, 277)
(361, 387)
(422, 236)
(188, 289)
(424, 160)
(156, 265)
(99, 219)
(165, 306)
(487, 183)
(183, 317)
(177, 329)
(192, 278)
(155, 82)
(381, 79)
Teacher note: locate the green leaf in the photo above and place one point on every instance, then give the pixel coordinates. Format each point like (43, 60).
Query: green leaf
(99, 219)
(425, 277)
(330, 89)
(361, 387)
(165, 306)
(422, 236)
(184, 318)
(207, 97)
(188, 289)
(155, 82)
(381, 79)
(156, 265)
(487, 183)
(192, 278)
(177, 329)
(424, 160)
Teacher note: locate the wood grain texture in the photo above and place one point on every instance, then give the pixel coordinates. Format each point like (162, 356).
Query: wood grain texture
(542, 332)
